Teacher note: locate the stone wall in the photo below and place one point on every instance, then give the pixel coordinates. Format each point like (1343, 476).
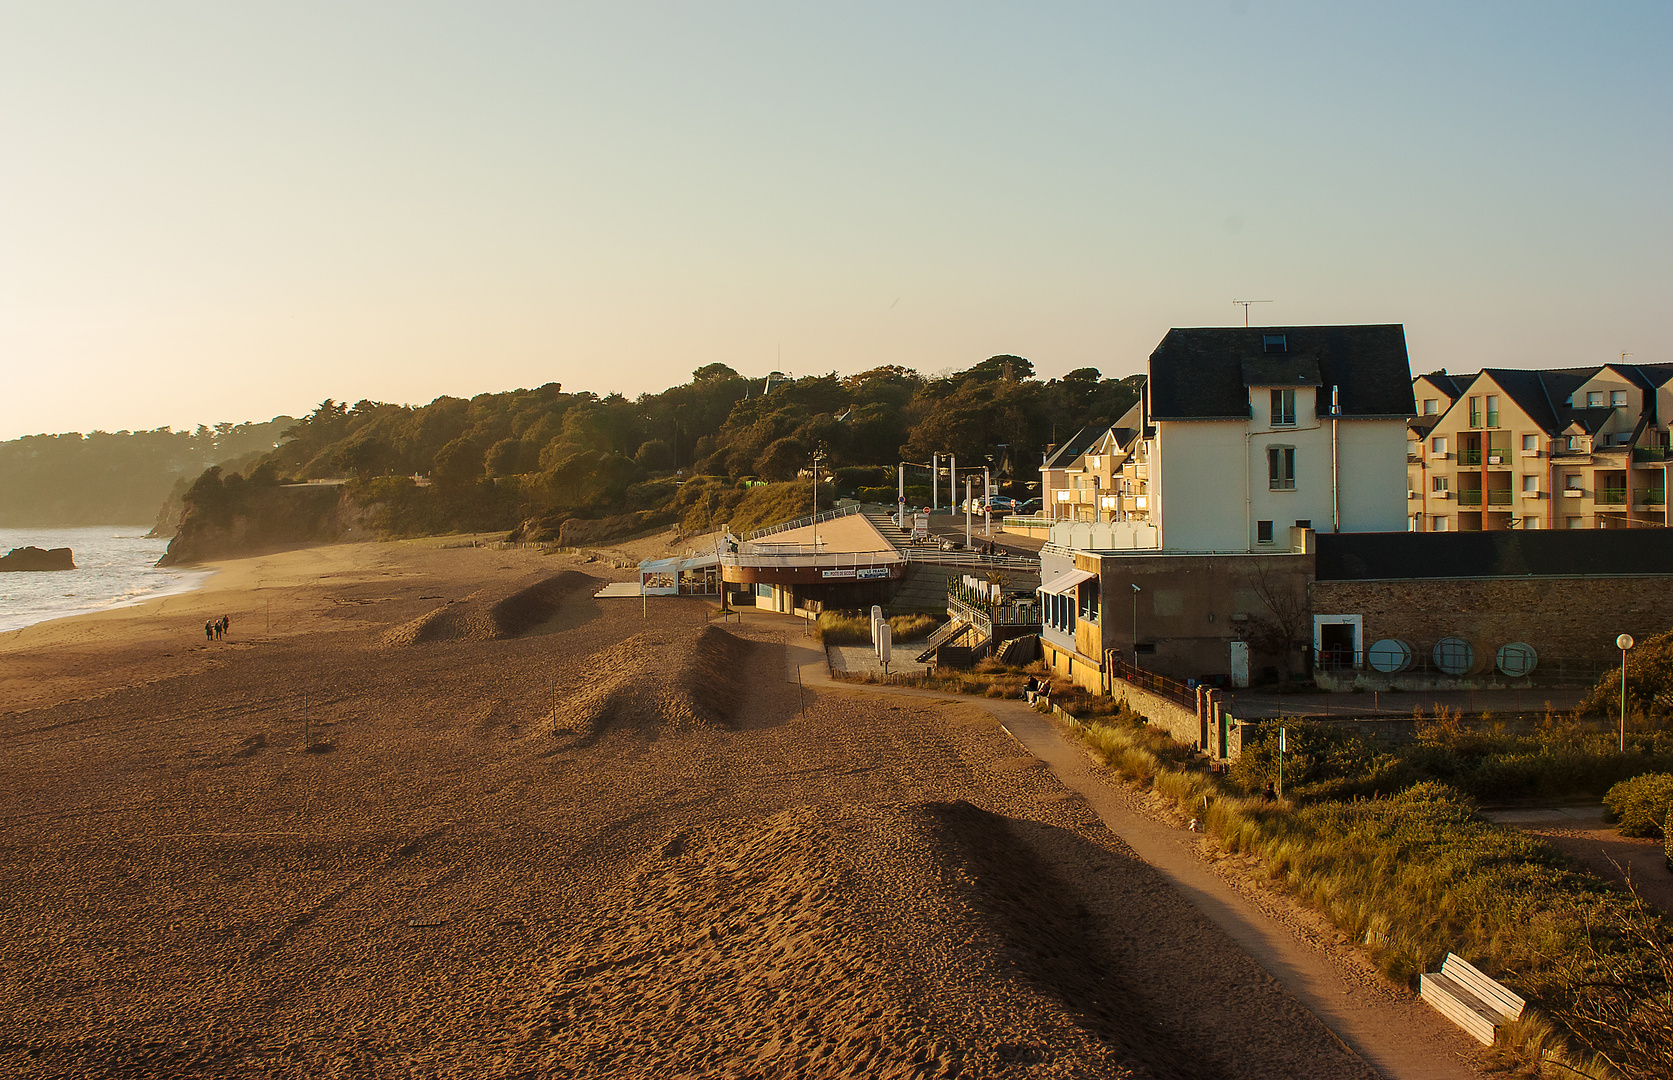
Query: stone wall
(1572, 622)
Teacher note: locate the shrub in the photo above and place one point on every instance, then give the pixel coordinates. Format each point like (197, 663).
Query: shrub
(1667, 839)
(854, 628)
(1649, 681)
(1641, 804)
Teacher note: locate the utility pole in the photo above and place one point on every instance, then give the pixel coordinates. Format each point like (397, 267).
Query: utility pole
(1245, 305)
(934, 482)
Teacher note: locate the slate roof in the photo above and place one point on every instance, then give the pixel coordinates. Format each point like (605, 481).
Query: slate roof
(1198, 374)
(1073, 447)
(1450, 385)
(1506, 553)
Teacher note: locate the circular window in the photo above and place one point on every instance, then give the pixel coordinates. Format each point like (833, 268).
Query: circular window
(1517, 659)
(1453, 656)
(1389, 655)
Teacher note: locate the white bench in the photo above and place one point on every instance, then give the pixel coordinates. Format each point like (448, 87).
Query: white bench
(1470, 999)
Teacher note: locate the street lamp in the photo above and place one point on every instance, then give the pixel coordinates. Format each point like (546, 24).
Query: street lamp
(1623, 643)
(1136, 591)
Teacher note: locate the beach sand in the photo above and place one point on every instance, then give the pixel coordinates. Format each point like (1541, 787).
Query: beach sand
(437, 811)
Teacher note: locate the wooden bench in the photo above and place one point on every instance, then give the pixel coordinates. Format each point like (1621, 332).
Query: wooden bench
(1470, 999)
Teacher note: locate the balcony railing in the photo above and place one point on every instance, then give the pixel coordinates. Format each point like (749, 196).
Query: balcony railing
(1492, 418)
(1498, 497)
(1469, 497)
(1653, 497)
(1475, 419)
(1469, 457)
(1612, 496)
(1650, 453)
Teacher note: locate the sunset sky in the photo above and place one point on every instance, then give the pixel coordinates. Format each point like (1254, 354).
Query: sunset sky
(214, 211)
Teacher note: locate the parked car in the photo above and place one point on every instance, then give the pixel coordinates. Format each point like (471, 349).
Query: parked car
(1027, 508)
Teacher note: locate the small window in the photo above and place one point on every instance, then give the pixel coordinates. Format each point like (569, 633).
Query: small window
(1274, 343)
(1573, 481)
(1437, 445)
(1530, 483)
(1431, 406)
(1263, 532)
(1439, 524)
(1304, 523)
(1594, 399)
(1576, 442)
(1280, 468)
(1530, 523)
(1283, 408)
(1530, 442)
(1438, 483)
(1617, 397)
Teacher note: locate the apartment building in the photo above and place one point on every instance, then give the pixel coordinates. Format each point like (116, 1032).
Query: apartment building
(1577, 448)
(1098, 475)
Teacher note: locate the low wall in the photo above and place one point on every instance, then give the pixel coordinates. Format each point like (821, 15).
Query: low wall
(1208, 728)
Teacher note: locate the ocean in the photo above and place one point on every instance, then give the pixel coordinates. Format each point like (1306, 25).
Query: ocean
(115, 567)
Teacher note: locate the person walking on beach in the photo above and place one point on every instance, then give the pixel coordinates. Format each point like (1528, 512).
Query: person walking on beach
(226, 624)
(209, 631)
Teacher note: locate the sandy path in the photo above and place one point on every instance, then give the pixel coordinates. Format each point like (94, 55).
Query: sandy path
(598, 847)
(1393, 1031)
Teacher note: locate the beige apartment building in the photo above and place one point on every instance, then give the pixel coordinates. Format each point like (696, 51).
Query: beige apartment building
(1578, 448)
(1100, 474)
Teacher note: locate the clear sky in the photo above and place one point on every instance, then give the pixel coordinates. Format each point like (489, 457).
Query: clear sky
(214, 211)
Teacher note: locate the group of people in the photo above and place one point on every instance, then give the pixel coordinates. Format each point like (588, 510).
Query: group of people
(215, 631)
(1037, 690)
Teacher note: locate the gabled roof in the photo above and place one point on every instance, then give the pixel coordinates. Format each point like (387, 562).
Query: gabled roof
(1587, 421)
(1198, 374)
(1073, 447)
(1540, 394)
(1450, 385)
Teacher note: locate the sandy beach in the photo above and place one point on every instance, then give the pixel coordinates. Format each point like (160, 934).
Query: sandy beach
(434, 811)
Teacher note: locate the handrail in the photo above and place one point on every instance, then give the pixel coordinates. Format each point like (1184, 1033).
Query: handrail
(804, 522)
(828, 558)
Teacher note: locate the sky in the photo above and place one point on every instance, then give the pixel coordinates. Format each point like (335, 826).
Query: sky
(216, 211)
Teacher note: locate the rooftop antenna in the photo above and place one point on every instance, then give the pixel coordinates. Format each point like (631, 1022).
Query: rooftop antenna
(1246, 304)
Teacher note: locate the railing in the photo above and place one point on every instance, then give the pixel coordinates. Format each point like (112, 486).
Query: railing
(803, 522)
(1475, 418)
(1469, 457)
(783, 559)
(1032, 521)
(1650, 453)
(1499, 497)
(1025, 614)
(1653, 497)
(1469, 497)
(1611, 496)
(1177, 692)
(936, 557)
(1492, 418)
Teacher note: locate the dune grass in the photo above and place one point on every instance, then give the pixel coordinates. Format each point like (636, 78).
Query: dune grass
(1415, 874)
(854, 628)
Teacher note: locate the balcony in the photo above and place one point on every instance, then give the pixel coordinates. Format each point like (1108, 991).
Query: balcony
(1469, 497)
(1498, 497)
(1657, 454)
(1612, 496)
(1469, 457)
(1652, 497)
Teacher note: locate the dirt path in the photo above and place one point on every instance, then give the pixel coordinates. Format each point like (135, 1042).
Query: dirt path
(1580, 833)
(1393, 1031)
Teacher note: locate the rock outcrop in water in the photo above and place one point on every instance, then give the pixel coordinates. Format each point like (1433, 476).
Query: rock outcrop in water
(34, 558)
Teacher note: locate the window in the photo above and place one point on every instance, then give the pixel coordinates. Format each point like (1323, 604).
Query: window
(1304, 523)
(1475, 412)
(1530, 483)
(1573, 481)
(1439, 524)
(1492, 410)
(1438, 483)
(1530, 523)
(1283, 408)
(1576, 443)
(1617, 397)
(1437, 446)
(1088, 591)
(1574, 523)
(1274, 343)
(1263, 532)
(1280, 468)
(1431, 406)
(1530, 442)
(1594, 399)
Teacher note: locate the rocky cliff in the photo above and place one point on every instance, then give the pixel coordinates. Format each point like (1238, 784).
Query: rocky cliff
(34, 558)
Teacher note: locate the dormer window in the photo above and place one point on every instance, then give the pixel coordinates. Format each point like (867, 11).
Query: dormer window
(1274, 343)
(1283, 408)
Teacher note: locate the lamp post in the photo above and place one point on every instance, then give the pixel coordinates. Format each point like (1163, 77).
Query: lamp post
(1136, 591)
(1623, 643)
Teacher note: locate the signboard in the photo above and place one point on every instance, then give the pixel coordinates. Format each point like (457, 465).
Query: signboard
(836, 573)
(920, 526)
(872, 573)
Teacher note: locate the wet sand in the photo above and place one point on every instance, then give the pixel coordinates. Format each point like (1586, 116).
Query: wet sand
(443, 813)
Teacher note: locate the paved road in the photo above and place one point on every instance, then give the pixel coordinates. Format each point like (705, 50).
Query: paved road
(1397, 1034)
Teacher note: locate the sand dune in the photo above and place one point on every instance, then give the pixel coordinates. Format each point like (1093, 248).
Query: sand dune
(655, 680)
(483, 617)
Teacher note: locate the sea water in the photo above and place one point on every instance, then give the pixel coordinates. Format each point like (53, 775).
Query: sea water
(116, 566)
